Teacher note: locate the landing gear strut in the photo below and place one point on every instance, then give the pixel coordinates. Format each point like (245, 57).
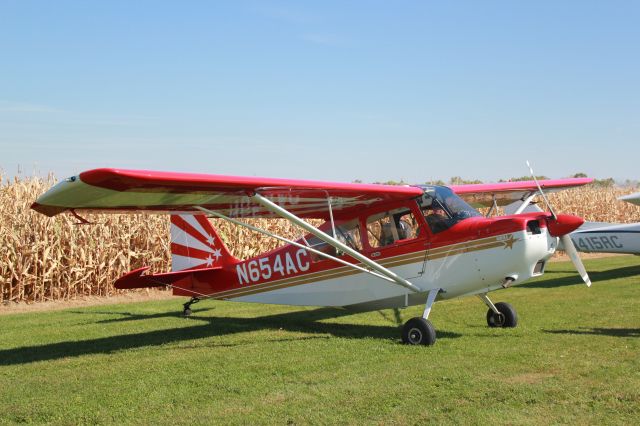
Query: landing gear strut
(501, 314)
(419, 330)
(187, 306)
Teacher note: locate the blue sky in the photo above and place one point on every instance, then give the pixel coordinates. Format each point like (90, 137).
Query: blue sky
(372, 90)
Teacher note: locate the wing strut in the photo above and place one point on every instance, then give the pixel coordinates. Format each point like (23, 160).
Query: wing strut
(286, 240)
(274, 208)
(494, 206)
(526, 202)
(544, 197)
(333, 224)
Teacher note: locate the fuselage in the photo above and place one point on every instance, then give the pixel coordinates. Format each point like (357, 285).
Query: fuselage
(600, 237)
(462, 255)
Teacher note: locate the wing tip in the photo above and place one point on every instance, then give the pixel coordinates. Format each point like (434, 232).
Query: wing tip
(48, 210)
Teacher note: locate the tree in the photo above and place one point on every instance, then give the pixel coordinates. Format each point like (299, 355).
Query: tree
(457, 180)
(392, 182)
(523, 178)
(604, 183)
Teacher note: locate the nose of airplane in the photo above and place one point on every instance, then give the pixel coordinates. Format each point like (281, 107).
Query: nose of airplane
(563, 224)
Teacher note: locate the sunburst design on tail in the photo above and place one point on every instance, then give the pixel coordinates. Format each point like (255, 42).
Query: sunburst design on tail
(195, 244)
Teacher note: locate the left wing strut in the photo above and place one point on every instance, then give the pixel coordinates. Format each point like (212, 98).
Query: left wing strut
(288, 241)
(526, 202)
(274, 208)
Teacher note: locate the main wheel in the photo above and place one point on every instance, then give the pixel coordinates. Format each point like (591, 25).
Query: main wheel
(418, 331)
(507, 317)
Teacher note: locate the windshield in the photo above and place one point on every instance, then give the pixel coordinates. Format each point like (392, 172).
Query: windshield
(443, 208)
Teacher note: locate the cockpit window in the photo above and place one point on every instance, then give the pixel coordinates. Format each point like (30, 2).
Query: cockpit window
(442, 208)
(387, 228)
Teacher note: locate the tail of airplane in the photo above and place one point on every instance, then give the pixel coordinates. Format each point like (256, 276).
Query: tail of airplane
(197, 253)
(196, 245)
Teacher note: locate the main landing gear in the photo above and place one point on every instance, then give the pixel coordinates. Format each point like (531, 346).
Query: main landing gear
(419, 330)
(501, 314)
(187, 306)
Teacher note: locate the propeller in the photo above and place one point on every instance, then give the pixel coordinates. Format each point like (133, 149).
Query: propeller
(560, 226)
(570, 248)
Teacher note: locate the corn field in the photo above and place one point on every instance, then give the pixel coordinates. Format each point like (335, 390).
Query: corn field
(44, 259)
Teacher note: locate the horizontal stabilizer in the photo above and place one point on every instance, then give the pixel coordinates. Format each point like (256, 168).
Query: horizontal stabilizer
(136, 279)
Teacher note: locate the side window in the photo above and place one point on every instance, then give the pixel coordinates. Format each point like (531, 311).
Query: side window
(318, 244)
(348, 233)
(386, 228)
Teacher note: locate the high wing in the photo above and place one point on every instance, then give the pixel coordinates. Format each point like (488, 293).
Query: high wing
(504, 193)
(118, 190)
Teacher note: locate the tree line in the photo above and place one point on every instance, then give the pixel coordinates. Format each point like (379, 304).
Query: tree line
(458, 180)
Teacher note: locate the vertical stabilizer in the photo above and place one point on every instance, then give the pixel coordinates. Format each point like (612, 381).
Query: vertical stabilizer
(195, 244)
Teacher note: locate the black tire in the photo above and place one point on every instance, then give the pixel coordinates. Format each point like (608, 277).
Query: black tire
(507, 318)
(418, 331)
(186, 312)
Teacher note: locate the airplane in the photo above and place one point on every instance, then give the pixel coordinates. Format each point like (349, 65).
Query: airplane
(380, 246)
(603, 237)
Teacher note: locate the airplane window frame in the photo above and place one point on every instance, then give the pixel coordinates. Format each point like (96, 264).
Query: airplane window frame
(419, 225)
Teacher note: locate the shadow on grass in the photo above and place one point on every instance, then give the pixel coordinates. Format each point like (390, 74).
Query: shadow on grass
(128, 316)
(614, 332)
(255, 342)
(612, 274)
(302, 321)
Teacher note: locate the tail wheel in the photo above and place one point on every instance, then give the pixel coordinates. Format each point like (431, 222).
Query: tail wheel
(506, 318)
(418, 331)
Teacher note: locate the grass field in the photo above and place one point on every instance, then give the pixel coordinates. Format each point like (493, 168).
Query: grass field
(574, 358)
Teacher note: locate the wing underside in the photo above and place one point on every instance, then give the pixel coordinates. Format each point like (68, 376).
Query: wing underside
(504, 193)
(115, 190)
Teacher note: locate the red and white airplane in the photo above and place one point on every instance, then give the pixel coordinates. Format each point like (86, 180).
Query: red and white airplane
(380, 246)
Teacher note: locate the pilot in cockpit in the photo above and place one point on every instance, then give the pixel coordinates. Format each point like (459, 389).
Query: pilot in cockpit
(436, 218)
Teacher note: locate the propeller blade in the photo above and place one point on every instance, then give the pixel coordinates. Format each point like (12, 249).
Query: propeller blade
(573, 254)
(564, 224)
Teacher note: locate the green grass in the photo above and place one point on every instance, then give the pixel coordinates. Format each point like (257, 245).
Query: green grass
(574, 358)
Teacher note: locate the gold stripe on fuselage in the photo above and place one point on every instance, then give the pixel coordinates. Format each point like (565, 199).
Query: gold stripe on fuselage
(343, 271)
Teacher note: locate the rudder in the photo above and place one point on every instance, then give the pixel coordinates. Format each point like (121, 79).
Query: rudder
(195, 244)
